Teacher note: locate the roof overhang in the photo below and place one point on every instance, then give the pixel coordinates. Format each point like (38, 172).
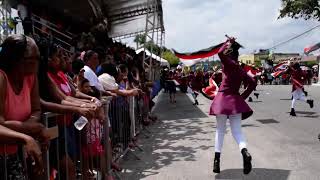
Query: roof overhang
(127, 18)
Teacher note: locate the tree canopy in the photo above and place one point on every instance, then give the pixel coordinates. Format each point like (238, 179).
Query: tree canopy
(306, 9)
(170, 57)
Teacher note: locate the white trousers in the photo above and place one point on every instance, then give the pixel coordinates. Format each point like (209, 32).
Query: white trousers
(298, 94)
(235, 124)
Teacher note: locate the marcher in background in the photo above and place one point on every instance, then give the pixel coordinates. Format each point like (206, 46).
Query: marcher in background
(309, 77)
(298, 78)
(211, 90)
(270, 78)
(171, 87)
(196, 84)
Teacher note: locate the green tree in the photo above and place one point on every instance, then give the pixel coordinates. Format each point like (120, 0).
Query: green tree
(171, 58)
(310, 63)
(306, 9)
(257, 64)
(153, 48)
(140, 39)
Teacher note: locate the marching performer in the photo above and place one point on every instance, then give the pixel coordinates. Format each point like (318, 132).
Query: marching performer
(196, 84)
(298, 78)
(171, 85)
(229, 104)
(252, 73)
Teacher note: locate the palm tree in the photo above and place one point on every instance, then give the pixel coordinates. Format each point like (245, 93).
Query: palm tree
(140, 39)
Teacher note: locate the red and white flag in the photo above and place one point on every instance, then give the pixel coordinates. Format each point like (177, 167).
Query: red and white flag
(279, 69)
(281, 66)
(252, 71)
(310, 49)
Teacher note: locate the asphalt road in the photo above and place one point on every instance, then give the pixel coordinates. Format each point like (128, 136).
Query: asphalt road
(182, 142)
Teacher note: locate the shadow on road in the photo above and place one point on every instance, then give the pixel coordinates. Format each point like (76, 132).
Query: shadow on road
(256, 101)
(249, 125)
(183, 109)
(257, 173)
(311, 116)
(306, 112)
(267, 121)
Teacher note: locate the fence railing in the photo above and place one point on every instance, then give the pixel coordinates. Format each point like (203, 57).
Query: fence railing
(79, 151)
(43, 27)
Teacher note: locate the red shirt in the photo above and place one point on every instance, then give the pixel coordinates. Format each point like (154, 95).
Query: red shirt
(61, 80)
(297, 78)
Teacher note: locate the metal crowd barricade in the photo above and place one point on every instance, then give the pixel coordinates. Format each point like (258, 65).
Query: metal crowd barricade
(53, 169)
(17, 161)
(135, 122)
(88, 148)
(7, 158)
(106, 136)
(126, 117)
(141, 111)
(119, 114)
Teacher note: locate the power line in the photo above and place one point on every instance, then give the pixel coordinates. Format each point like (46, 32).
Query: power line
(295, 37)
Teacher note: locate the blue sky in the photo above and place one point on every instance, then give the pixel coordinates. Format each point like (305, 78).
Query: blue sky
(195, 24)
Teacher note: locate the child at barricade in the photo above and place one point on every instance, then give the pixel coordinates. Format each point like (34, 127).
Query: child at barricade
(92, 137)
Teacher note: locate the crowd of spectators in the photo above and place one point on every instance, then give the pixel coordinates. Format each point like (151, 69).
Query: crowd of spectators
(37, 76)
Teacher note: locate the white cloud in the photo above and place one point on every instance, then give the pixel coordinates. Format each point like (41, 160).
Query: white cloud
(192, 25)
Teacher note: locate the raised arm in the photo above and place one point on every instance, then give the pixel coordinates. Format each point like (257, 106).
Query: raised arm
(225, 59)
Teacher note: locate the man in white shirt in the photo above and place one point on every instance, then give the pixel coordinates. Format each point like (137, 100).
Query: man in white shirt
(92, 77)
(91, 60)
